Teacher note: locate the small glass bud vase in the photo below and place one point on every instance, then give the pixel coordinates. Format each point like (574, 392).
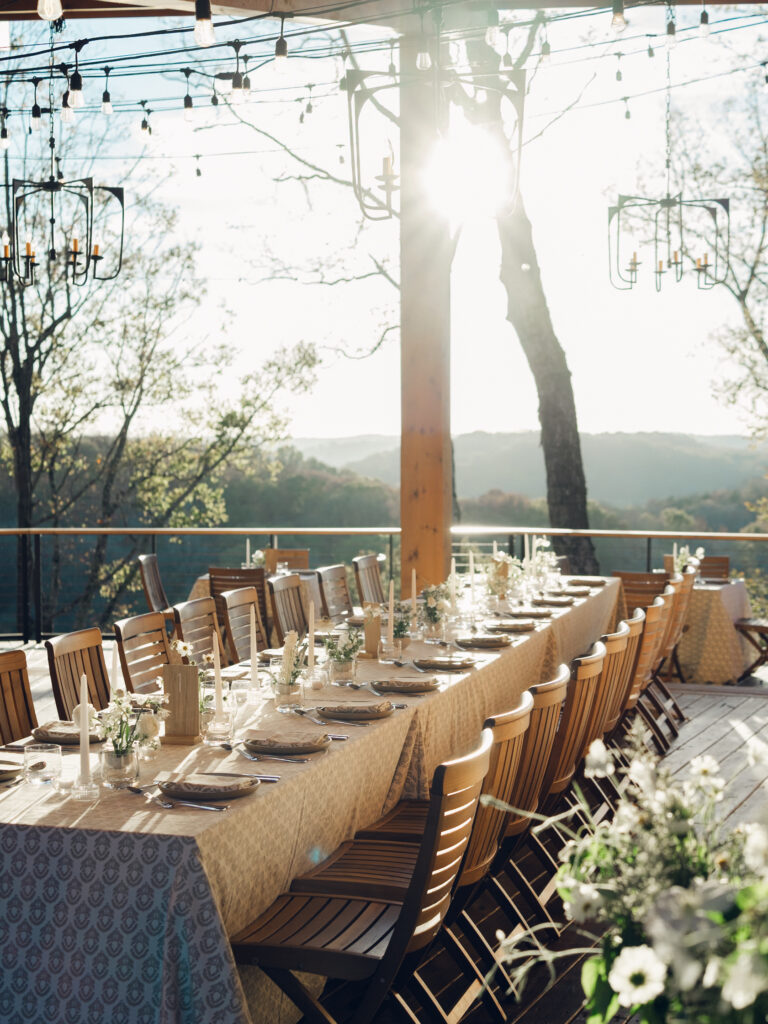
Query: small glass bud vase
(433, 632)
(389, 653)
(342, 673)
(118, 771)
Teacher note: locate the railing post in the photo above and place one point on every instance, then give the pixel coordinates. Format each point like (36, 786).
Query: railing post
(522, 546)
(511, 544)
(391, 556)
(273, 540)
(38, 591)
(154, 543)
(648, 560)
(24, 581)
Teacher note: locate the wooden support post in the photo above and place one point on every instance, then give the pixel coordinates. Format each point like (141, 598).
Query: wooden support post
(425, 327)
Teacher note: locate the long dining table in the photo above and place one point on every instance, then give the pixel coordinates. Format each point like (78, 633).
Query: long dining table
(121, 910)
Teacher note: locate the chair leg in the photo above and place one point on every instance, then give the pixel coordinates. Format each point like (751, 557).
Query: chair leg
(313, 1011)
(676, 710)
(651, 696)
(660, 741)
(477, 986)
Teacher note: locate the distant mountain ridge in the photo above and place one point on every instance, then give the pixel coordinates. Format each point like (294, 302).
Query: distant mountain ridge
(622, 469)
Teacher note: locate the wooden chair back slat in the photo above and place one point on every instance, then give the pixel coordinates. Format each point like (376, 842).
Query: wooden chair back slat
(237, 619)
(618, 700)
(294, 558)
(641, 588)
(679, 611)
(569, 740)
(368, 579)
(311, 590)
(223, 579)
(196, 624)
(142, 644)
(537, 747)
(716, 567)
(655, 622)
(17, 711)
(338, 600)
(71, 656)
(612, 680)
(153, 585)
(508, 734)
(287, 609)
(454, 793)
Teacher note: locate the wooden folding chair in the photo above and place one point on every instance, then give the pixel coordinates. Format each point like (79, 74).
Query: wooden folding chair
(196, 623)
(17, 711)
(368, 579)
(641, 588)
(338, 600)
(287, 609)
(715, 567)
(294, 558)
(311, 590)
(71, 656)
(674, 635)
(237, 621)
(620, 696)
(154, 591)
(755, 632)
(223, 579)
(371, 938)
(142, 644)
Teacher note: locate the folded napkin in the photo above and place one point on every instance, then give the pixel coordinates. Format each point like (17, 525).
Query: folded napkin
(554, 602)
(262, 738)
(203, 787)
(512, 625)
(355, 709)
(405, 685)
(588, 581)
(492, 642)
(576, 591)
(65, 733)
(530, 613)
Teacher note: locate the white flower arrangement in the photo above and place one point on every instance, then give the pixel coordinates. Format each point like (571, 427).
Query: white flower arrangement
(293, 663)
(543, 560)
(258, 558)
(684, 558)
(436, 603)
(681, 901)
(503, 574)
(131, 719)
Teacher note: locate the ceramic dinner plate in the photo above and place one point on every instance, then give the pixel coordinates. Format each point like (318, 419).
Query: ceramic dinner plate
(356, 712)
(420, 685)
(270, 745)
(446, 664)
(9, 770)
(483, 643)
(196, 787)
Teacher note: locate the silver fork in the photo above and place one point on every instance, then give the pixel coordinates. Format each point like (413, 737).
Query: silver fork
(260, 757)
(168, 804)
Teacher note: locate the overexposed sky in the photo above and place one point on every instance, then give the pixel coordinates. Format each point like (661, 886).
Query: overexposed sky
(239, 216)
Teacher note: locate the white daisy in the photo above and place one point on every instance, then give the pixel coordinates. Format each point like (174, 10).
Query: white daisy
(747, 978)
(637, 975)
(598, 763)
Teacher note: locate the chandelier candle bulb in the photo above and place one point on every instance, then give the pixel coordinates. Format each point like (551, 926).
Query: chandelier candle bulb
(386, 166)
(311, 639)
(219, 699)
(391, 615)
(75, 245)
(661, 266)
(96, 250)
(28, 248)
(85, 760)
(7, 252)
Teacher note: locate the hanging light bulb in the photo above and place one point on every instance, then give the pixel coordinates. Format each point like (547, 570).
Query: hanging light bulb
(4, 140)
(618, 20)
(281, 50)
(204, 34)
(246, 80)
(37, 116)
(237, 88)
(41, 91)
(106, 99)
(494, 37)
(189, 113)
(50, 10)
(67, 113)
(215, 101)
(704, 24)
(76, 98)
(671, 34)
(546, 52)
(619, 75)
(651, 51)
(145, 126)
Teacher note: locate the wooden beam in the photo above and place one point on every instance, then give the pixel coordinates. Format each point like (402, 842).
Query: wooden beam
(425, 275)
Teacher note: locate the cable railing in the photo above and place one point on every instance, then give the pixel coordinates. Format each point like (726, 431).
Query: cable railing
(58, 579)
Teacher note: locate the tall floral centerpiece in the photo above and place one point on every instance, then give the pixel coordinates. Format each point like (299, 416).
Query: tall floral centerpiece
(435, 607)
(683, 558)
(129, 721)
(503, 574)
(342, 651)
(286, 679)
(680, 900)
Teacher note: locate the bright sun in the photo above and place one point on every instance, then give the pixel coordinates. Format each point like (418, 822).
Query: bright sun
(469, 175)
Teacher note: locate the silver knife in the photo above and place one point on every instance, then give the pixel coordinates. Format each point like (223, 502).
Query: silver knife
(244, 775)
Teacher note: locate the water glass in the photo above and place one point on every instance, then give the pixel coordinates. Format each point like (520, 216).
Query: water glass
(218, 728)
(390, 652)
(42, 763)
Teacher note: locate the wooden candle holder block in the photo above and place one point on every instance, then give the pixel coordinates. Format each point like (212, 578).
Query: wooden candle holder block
(372, 632)
(182, 726)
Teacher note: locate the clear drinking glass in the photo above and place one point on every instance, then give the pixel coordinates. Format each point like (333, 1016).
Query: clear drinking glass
(218, 728)
(42, 763)
(389, 653)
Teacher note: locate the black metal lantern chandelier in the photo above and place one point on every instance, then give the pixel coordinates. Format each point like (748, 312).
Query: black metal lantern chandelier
(32, 199)
(361, 87)
(667, 216)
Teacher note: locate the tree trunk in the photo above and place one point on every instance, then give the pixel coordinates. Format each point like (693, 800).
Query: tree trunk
(528, 313)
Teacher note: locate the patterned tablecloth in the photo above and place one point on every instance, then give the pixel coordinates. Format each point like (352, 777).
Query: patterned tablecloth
(711, 651)
(120, 910)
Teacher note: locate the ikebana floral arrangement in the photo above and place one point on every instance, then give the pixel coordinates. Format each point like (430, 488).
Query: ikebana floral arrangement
(503, 573)
(543, 559)
(132, 719)
(680, 901)
(436, 603)
(402, 623)
(293, 664)
(684, 558)
(345, 646)
(257, 558)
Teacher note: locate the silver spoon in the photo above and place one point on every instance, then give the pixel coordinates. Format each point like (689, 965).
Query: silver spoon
(260, 757)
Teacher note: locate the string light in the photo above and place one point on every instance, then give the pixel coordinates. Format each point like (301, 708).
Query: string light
(246, 79)
(704, 23)
(106, 99)
(237, 78)
(67, 113)
(145, 126)
(50, 10)
(204, 33)
(651, 51)
(671, 34)
(493, 33)
(423, 59)
(619, 75)
(37, 116)
(189, 113)
(546, 52)
(4, 140)
(76, 98)
(627, 114)
(618, 20)
(281, 49)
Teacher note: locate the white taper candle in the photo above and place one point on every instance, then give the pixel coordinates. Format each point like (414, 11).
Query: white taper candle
(413, 592)
(247, 550)
(472, 575)
(391, 617)
(254, 652)
(85, 734)
(311, 638)
(219, 700)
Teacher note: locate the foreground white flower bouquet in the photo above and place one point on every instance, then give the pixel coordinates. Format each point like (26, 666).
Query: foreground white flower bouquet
(131, 720)
(436, 603)
(503, 574)
(680, 902)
